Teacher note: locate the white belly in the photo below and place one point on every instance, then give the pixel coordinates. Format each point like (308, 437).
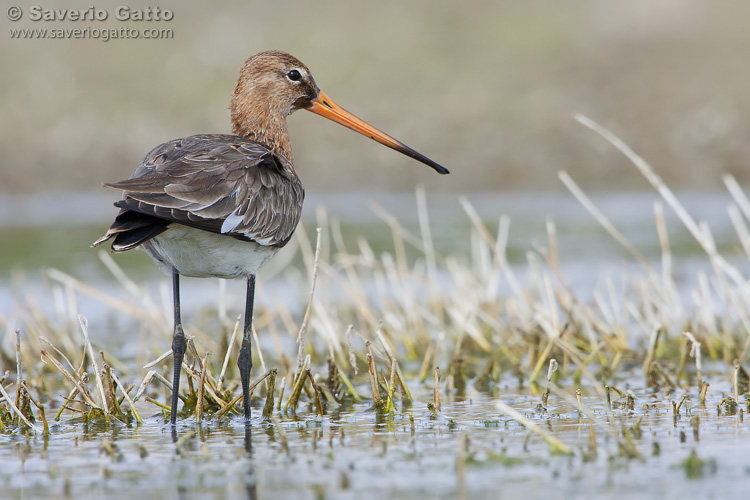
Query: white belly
(202, 254)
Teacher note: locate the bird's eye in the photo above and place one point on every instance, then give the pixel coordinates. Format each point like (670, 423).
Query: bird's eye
(294, 75)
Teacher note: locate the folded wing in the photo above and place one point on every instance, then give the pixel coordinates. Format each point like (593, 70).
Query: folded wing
(219, 183)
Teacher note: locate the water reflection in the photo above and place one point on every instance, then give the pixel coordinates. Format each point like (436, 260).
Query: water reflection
(251, 484)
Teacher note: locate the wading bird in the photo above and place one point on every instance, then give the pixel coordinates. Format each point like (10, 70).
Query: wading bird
(219, 205)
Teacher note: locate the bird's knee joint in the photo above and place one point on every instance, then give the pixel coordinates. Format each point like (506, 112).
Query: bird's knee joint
(179, 344)
(245, 359)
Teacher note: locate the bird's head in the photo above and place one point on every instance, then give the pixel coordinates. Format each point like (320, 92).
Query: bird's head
(274, 84)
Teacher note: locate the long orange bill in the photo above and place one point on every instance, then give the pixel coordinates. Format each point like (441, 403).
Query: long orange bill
(324, 106)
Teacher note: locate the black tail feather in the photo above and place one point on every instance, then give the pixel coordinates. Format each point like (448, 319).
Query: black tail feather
(131, 229)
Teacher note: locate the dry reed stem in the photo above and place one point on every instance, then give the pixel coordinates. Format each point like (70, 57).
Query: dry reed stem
(316, 390)
(743, 234)
(353, 287)
(571, 353)
(695, 352)
(230, 347)
(682, 401)
(85, 390)
(281, 392)
(666, 252)
(158, 376)
(230, 405)
(387, 346)
(209, 381)
(550, 371)
(144, 384)
(19, 368)
(109, 388)
(436, 394)
(127, 398)
(699, 232)
(429, 249)
(349, 387)
(94, 293)
(43, 340)
(18, 412)
(161, 405)
(158, 360)
(258, 349)
(396, 227)
(738, 194)
(64, 371)
(603, 220)
(556, 445)
(68, 398)
(391, 389)
(664, 375)
(651, 351)
(425, 367)
(40, 407)
(703, 391)
(85, 330)
(544, 356)
(201, 389)
(683, 361)
(133, 290)
(299, 381)
(373, 380)
(270, 389)
(302, 336)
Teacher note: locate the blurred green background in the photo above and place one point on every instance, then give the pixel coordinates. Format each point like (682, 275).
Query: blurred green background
(486, 88)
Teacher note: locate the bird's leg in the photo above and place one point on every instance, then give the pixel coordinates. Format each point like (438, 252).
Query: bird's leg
(178, 345)
(245, 360)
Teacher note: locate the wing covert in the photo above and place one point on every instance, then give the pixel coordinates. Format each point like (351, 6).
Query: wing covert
(219, 183)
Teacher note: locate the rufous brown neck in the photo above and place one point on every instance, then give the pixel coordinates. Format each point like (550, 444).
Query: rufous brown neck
(260, 117)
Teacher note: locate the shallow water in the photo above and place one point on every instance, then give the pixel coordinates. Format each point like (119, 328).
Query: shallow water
(470, 450)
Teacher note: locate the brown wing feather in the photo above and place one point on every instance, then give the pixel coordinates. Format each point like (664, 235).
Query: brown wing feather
(220, 183)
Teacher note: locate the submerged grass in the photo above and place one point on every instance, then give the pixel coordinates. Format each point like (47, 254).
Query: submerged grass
(386, 323)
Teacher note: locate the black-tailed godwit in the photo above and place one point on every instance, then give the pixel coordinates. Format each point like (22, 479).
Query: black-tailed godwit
(220, 206)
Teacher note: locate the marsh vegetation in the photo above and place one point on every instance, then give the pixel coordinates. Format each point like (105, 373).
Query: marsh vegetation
(401, 372)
